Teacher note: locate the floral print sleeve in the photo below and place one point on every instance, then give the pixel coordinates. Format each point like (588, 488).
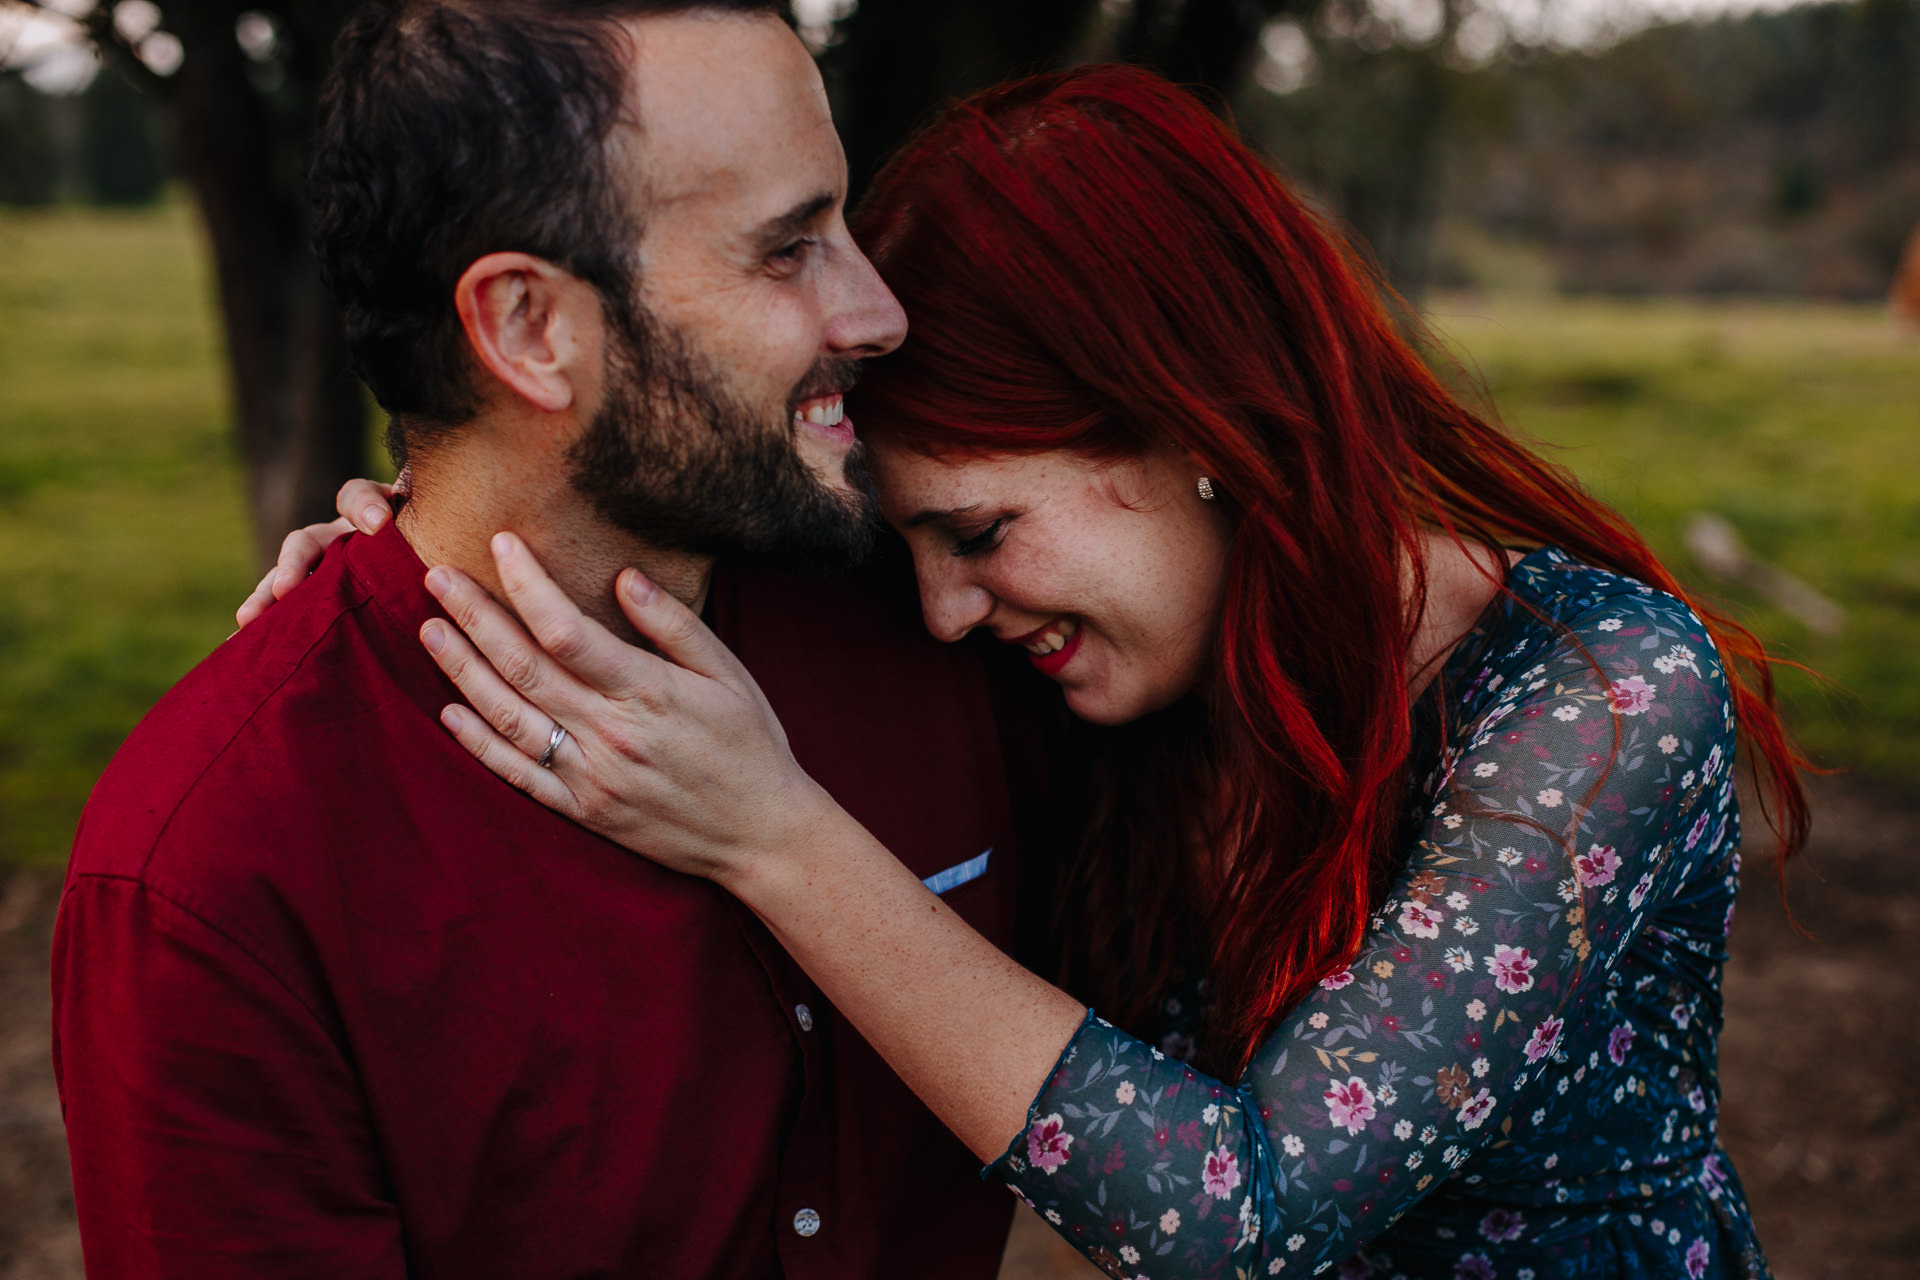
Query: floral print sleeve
(1467, 1094)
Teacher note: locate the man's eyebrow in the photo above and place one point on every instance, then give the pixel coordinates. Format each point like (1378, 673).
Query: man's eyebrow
(784, 226)
(930, 515)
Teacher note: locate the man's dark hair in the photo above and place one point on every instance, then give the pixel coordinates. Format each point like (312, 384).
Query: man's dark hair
(451, 129)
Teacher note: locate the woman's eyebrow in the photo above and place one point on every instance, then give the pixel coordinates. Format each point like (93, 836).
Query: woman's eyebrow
(929, 515)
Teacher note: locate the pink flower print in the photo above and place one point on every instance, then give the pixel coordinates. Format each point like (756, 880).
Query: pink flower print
(1697, 1254)
(1220, 1173)
(1335, 981)
(1350, 1104)
(1596, 866)
(1473, 1266)
(1629, 697)
(1619, 1040)
(1698, 829)
(1545, 1039)
(1638, 894)
(1502, 1225)
(1512, 968)
(1048, 1143)
(1477, 1109)
(1421, 921)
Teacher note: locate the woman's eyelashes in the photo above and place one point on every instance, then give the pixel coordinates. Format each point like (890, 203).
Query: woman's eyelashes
(985, 540)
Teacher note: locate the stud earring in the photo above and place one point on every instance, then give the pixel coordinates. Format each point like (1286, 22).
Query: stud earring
(1205, 486)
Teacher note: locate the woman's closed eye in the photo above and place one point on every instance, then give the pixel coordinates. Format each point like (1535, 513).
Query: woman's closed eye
(985, 540)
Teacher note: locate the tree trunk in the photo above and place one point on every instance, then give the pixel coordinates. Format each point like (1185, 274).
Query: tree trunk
(242, 147)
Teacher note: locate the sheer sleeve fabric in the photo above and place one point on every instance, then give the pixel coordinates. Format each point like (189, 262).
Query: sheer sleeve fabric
(1542, 852)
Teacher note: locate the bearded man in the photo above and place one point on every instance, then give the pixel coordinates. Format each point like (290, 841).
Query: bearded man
(329, 998)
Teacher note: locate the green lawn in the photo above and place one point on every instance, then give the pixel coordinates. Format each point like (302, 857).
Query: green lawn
(123, 547)
(1799, 424)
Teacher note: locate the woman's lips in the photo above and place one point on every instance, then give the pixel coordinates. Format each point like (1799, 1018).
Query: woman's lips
(1051, 648)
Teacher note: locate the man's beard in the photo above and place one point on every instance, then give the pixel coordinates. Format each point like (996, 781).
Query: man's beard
(676, 459)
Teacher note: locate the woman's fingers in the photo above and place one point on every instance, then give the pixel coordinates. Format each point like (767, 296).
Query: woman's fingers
(509, 763)
(507, 659)
(588, 650)
(256, 604)
(300, 552)
(365, 504)
(518, 721)
(675, 629)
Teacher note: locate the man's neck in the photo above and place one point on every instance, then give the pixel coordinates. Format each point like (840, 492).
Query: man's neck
(461, 497)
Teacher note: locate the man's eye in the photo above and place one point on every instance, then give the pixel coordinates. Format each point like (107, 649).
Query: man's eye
(791, 254)
(985, 540)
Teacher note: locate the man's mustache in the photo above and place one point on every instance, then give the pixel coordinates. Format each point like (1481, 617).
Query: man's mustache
(830, 376)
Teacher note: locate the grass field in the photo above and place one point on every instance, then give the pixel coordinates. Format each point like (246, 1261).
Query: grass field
(123, 547)
(1799, 424)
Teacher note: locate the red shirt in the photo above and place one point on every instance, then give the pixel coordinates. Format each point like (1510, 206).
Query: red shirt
(330, 999)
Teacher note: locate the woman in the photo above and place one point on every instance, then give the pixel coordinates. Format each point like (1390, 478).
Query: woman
(1421, 849)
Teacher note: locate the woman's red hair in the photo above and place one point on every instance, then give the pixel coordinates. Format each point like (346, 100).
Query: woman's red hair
(1091, 261)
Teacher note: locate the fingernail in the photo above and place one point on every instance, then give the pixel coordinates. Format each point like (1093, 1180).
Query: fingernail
(375, 515)
(434, 636)
(439, 582)
(453, 718)
(502, 546)
(640, 588)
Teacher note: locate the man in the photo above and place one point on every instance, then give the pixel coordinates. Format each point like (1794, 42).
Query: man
(331, 1000)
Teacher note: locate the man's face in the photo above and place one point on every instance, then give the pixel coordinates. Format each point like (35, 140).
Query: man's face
(721, 427)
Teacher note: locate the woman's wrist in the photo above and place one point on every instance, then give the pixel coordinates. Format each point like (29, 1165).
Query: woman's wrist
(805, 823)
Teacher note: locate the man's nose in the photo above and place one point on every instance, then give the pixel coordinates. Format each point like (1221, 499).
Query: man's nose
(950, 604)
(864, 318)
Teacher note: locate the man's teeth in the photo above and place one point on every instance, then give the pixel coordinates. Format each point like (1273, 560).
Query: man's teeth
(823, 413)
(1054, 638)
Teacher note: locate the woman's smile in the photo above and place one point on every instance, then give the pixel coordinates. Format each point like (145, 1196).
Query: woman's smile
(1052, 647)
(1109, 574)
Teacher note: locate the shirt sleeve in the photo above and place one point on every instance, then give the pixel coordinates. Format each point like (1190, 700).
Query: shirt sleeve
(216, 1128)
(1544, 850)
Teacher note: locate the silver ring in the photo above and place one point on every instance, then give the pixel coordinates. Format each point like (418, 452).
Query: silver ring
(554, 740)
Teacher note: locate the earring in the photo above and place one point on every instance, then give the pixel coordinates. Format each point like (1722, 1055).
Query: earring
(1205, 486)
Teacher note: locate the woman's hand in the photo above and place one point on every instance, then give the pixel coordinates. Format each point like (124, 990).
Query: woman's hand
(675, 755)
(363, 504)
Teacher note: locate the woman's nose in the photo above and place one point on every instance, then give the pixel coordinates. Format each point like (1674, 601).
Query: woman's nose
(951, 604)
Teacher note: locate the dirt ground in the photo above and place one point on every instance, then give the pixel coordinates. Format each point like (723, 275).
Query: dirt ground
(1817, 1064)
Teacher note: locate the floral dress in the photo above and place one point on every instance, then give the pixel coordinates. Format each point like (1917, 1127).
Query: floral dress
(1516, 1077)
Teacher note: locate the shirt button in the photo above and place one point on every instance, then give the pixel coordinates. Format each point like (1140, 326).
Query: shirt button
(806, 1222)
(804, 1016)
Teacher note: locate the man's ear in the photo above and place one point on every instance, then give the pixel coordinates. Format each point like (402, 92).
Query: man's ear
(531, 324)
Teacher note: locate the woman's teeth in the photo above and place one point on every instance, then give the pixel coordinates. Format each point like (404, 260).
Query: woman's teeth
(822, 413)
(1054, 638)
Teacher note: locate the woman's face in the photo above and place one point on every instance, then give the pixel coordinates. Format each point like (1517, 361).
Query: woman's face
(1108, 574)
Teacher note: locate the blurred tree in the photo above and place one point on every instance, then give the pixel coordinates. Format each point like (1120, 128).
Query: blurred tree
(239, 81)
(890, 63)
(29, 160)
(119, 152)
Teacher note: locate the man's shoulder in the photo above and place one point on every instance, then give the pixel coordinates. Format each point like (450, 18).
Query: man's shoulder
(235, 723)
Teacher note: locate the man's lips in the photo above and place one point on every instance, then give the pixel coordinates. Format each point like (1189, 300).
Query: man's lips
(825, 415)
